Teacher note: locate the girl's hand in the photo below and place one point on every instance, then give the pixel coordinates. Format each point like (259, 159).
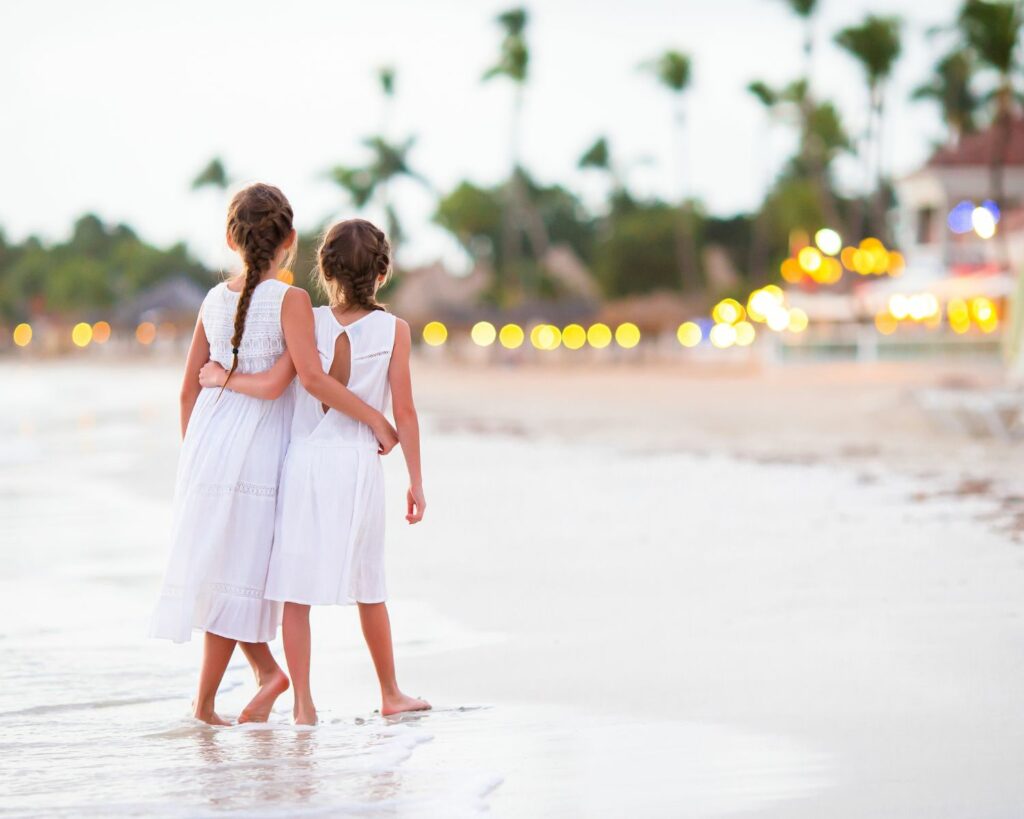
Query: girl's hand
(212, 375)
(386, 434)
(416, 504)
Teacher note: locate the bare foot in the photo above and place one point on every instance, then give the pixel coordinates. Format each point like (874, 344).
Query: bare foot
(304, 714)
(208, 715)
(400, 702)
(258, 709)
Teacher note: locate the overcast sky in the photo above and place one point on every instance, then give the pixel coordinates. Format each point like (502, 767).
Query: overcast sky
(114, 106)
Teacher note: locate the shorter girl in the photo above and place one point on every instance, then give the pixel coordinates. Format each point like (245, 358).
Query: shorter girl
(329, 538)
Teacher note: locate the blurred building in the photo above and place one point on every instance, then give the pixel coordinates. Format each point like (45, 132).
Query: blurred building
(934, 206)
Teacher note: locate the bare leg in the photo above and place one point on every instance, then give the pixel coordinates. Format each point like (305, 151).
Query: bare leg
(270, 679)
(295, 630)
(377, 632)
(217, 653)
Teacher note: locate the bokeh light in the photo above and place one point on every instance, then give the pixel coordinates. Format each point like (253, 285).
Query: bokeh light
(689, 334)
(101, 332)
(545, 337)
(960, 217)
(145, 333)
(777, 318)
(22, 335)
(745, 333)
(828, 241)
(511, 336)
(435, 333)
(983, 222)
(886, 324)
(722, 335)
(728, 311)
(809, 259)
(81, 334)
(798, 320)
(599, 336)
(627, 335)
(286, 276)
(791, 271)
(574, 336)
(483, 334)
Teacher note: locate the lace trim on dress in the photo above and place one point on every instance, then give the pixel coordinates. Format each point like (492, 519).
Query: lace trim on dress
(240, 488)
(175, 590)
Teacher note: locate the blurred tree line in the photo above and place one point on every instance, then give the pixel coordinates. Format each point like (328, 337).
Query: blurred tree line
(98, 266)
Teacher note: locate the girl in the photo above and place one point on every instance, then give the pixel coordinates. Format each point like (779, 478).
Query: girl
(234, 445)
(329, 541)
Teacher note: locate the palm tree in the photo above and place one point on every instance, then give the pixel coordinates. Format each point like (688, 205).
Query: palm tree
(386, 76)
(389, 161)
(519, 217)
(992, 32)
(805, 9)
(950, 87)
(212, 175)
(876, 45)
(673, 70)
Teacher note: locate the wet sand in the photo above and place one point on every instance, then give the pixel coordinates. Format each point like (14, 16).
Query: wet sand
(653, 591)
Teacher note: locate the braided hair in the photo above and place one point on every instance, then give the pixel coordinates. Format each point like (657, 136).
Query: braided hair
(353, 261)
(259, 222)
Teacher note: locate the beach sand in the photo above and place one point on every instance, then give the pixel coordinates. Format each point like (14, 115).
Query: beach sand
(640, 590)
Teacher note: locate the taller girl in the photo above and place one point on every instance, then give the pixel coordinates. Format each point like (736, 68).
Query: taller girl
(234, 445)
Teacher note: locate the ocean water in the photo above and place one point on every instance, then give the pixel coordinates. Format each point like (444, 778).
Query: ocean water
(94, 716)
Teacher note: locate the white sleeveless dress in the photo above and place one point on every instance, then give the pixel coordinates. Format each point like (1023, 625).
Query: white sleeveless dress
(329, 541)
(226, 492)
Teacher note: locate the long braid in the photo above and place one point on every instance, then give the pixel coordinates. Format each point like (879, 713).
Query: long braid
(354, 261)
(259, 222)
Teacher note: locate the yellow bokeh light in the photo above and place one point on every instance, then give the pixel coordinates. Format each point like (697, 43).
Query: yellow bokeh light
(957, 310)
(886, 324)
(791, 271)
(728, 311)
(922, 305)
(745, 333)
(982, 309)
(722, 336)
(511, 336)
(574, 336)
(22, 335)
(828, 241)
(81, 334)
(545, 337)
(896, 263)
(435, 333)
(809, 259)
(847, 257)
(627, 335)
(101, 332)
(863, 262)
(145, 333)
(689, 334)
(286, 276)
(778, 318)
(599, 336)
(483, 334)
(983, 222)
(899, 306)
(830, 271)
(775, 292)
(798, 320)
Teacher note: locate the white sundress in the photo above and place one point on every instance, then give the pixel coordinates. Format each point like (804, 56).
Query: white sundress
(329, 541)
(226, 491)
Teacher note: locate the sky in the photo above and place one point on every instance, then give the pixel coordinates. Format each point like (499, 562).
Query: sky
(113, 107)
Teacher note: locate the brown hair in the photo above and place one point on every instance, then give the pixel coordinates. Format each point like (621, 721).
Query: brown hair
(259, 222)
(353, 257)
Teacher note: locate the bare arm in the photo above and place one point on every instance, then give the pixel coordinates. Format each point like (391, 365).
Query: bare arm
(406, 419)
(299, 335)
(269, 384)
(198, 353)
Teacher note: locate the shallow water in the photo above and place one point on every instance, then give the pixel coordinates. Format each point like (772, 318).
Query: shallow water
(579, 664)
